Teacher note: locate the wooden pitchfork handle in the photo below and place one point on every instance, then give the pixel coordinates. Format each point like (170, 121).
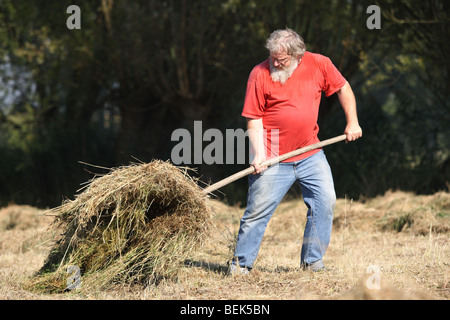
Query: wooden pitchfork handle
(271, 162)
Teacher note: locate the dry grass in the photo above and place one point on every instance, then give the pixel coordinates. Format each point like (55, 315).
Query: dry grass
(371, 240)
(136, 224)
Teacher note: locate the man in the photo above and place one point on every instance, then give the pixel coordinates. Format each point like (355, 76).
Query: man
(281, 107)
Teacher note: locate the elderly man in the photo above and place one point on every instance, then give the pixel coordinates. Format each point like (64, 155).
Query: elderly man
(281, 107)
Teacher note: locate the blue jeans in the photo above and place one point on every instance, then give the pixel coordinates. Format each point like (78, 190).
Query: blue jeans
(266, 190)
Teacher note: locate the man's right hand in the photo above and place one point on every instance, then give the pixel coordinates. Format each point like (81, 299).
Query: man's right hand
(256, 163)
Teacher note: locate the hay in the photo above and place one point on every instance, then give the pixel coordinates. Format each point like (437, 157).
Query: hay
(136, 224)
(383, 291)
(21, 217)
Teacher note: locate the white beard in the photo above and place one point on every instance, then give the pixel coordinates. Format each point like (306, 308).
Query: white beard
(282, 75)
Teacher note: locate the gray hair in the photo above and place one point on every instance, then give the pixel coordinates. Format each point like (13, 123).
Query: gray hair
(286, 40)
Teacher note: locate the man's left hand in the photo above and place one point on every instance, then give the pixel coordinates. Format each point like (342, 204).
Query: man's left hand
(353, 132)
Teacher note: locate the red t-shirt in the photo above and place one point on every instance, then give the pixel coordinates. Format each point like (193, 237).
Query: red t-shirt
(292, 109)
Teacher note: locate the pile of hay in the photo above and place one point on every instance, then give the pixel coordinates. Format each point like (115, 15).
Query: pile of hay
(136, 224)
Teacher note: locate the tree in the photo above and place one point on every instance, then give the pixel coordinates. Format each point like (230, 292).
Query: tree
(117, 88)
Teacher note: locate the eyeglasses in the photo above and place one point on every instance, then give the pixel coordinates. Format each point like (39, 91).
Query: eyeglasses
(281, 61)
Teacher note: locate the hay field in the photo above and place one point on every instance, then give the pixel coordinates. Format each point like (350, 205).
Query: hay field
(394, 246)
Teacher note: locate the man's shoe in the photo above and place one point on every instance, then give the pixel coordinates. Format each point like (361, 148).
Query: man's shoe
(317, 266)
(237, 270)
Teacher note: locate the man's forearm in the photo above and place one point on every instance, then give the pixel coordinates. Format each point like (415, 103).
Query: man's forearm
(255, 131)
(348, 103)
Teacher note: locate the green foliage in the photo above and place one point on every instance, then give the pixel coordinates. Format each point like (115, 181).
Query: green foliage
(135, 71)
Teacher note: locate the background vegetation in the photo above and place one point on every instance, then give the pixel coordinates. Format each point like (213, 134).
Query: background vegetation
(115, 90)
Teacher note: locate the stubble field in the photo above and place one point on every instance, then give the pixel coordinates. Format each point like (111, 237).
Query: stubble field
(394, 246)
